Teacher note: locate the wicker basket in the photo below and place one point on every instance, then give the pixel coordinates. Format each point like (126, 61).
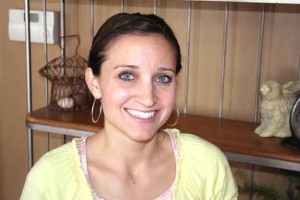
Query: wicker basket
(69, 91)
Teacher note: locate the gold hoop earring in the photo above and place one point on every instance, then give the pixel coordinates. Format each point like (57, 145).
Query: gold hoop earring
(92, 111)
(177, 117)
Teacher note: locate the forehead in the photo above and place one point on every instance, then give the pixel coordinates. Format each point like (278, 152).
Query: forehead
(150, 51)
(138, 43)
(138, 38)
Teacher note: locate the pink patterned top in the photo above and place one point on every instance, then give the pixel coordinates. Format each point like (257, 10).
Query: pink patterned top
(81, 146)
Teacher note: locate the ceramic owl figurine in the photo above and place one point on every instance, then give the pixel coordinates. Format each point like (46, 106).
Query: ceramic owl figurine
(275, 107)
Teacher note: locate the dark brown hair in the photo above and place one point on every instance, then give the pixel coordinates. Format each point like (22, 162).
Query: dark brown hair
(127, 24)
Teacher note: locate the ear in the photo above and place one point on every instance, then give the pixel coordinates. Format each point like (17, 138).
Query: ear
(92, 83)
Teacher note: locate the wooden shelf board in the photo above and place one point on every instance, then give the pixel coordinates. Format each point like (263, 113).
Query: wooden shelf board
(256, 1)
(230, 136)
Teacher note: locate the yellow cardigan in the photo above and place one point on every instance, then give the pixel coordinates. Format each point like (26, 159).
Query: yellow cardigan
(202, 173)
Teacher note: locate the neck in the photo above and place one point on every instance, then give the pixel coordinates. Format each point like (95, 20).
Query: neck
(121, 151)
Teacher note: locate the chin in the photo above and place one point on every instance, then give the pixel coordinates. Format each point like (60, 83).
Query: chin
(143, 135)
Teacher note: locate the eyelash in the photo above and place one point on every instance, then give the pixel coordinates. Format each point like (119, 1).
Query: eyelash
(157, 79)
(121, 76)
(169, 79)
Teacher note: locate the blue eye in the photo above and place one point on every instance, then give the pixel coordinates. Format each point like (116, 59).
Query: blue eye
(126, 76)
(164, 79)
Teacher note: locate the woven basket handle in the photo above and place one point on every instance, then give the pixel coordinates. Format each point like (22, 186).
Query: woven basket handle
(68, 37)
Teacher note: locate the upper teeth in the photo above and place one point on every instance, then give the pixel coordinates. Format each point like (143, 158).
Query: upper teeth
(142, 115)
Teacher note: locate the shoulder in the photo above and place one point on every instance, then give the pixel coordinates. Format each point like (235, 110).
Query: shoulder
(197, 153)
(57, 171)
(203, 171)
(196, 148)
(56, 160)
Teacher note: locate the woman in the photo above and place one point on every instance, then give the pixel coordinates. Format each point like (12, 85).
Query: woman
(134, 64)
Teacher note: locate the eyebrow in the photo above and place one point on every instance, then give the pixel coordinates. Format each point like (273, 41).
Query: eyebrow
(126, 66)
(135, 67)
(167, 69)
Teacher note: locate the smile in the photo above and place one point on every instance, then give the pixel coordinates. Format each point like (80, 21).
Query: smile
(140, 114)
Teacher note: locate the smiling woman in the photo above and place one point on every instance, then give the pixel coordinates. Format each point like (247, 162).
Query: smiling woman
(134, 63)
(138, 93)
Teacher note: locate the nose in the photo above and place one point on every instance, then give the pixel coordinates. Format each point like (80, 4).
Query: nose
(147, 94)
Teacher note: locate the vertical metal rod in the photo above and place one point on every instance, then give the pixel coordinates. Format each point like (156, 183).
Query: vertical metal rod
(155, 7)
(63, 44)
(299, 69)
(45, 45)
(251, 180)
(261, 37)
(223, 60)
(186, 80)
(291, 187)
(45, 62)
(92, 19)
(122, 6)
(28, 78)
(261, 40)
(62, 28)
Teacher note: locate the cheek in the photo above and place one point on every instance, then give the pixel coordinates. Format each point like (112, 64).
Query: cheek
(168, 97)
(114, 96)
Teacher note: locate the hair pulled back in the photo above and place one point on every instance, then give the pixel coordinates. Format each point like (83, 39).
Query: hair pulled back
(129, 24)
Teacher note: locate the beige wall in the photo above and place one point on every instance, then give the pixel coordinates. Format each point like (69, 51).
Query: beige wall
(13, 157)
(281, 57)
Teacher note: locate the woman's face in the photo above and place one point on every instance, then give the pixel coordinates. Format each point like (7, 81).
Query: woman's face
(138, 85)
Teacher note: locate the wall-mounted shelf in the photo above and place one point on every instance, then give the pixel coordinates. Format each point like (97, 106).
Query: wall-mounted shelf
(237, 139)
